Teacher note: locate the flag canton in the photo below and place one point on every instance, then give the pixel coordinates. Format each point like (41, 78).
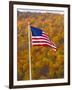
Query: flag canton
(36, 31)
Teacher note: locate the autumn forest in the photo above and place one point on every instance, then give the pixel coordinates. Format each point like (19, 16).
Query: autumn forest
(45, 63)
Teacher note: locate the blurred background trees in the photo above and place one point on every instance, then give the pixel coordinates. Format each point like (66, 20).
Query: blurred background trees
(46, 64)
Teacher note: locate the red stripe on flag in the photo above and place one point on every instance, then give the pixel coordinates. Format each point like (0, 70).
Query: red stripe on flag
(41, 42)
(43, 45)
(44, 35)
(39, 38)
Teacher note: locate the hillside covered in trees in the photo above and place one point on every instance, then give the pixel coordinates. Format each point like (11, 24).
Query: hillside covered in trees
(45, 63)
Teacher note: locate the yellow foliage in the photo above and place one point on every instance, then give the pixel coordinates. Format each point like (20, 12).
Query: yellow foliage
(45, 63)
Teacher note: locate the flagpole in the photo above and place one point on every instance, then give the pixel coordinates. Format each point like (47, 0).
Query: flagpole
(29, 51)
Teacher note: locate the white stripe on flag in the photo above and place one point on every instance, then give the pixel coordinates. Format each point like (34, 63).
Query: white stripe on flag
(43, 44)
(41, 40)
(45, 35)
(38, 37)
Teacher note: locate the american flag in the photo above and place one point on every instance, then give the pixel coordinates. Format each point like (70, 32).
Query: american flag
(40, 38)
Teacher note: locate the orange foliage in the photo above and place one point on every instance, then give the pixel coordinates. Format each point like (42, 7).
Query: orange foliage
(45, 63)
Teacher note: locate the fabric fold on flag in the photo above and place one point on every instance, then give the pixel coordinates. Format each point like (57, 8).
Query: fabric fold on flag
(40, 38)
